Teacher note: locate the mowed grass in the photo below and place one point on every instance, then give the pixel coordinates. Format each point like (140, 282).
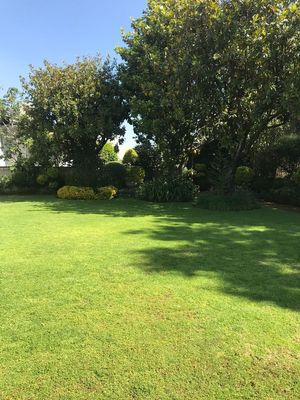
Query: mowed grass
(132, 300)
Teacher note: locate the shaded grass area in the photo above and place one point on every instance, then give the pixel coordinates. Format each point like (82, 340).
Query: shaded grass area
(133, 300)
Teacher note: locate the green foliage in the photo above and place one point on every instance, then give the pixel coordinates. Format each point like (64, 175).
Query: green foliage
(5, 182)
(220, 172)
(296, 177)
(237, 201)
(52, 173)
(72, 111)
(24, 173)
(114, 173)
(130, 157)
(135, 176)
(200, 168)
(288, 194)
(223, 70)
(76, 193)
(53, 185)
(108, 153)
(283, 155)
(150, 159)
(10, 117)
(42, 179)
(262, 184)
(106, 193)
(167, 190)
(244, 176)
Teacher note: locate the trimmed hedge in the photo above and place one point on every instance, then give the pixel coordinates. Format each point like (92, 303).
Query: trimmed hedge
(86, 193)
(76, 193)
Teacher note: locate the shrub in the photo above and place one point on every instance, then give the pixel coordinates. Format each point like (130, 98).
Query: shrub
(106, 192)
(244, 176)
(42, 179)
(53, 185)
(114, 173)
(200, 168)
(150, 159)
(108, 153)
(237, 201)
(279, 183)
(262, 184)
(296, 177)
(52, 172)
(130, 157)
(200, 176)
(288, 194)
(5, 182)
(24, 174)
(76, 193)
(168, 189)
(134, 176)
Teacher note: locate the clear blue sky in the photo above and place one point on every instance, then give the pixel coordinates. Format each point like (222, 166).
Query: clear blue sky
(59, 30)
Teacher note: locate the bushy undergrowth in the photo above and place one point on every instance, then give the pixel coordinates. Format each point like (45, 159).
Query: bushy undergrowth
(76, 193)
(106, 193)
(237, 201)
(135, 176)
(87, 193)
(114, 173)
(168, 189)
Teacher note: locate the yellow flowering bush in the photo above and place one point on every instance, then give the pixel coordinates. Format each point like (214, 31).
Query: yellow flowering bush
(76, 193)
(106, 192)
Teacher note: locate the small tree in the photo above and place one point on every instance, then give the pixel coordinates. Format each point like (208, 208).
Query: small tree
(149, 158)
(10, 116)
(73, 110)
(130, 157)
(108, 153)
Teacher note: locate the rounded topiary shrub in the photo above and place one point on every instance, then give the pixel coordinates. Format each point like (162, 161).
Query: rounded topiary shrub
(106, 192)
(134, 176)
(237, 201)
(130, 157)
(76, 193)
(244, 176)
(42, 179)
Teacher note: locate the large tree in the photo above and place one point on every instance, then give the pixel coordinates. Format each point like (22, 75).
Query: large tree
(252, 72)
(159, 81)
(72, 111)
(227, 71)
(10, 114)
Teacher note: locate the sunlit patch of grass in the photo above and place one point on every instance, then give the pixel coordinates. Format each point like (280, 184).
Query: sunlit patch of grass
(131, 300)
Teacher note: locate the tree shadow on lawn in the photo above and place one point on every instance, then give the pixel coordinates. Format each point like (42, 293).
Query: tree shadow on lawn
(116, 208)
(255, 254)
(259, 262)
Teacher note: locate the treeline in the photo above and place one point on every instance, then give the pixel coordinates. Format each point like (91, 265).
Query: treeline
(202, 82)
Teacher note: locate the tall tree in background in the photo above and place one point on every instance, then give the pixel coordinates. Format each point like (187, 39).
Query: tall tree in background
(252, 70)
(166, 102)
(227, 71)
(10, 116)
(72, 111)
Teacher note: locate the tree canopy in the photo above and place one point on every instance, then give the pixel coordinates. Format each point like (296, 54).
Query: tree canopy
(73, 110)
(227, 71)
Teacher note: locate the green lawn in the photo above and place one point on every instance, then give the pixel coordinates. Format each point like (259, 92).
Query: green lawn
(131, 300)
